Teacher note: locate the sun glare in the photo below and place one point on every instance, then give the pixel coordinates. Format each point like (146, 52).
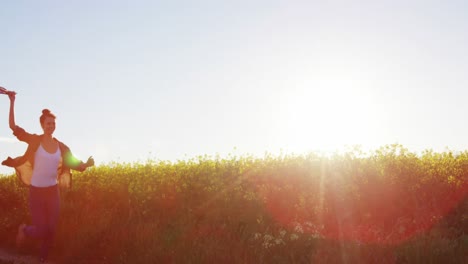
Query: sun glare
(329, 112)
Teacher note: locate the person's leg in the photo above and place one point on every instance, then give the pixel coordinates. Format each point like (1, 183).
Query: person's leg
(53, 211)
(38, 214)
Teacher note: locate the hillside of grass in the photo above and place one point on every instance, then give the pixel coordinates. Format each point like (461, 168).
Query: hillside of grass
(390, 206)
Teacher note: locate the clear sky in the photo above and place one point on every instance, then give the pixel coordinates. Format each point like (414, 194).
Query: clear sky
(169, 80)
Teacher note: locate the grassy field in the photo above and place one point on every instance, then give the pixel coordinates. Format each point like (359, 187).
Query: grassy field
(390, 206)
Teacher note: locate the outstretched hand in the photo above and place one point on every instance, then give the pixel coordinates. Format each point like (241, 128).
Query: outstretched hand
(90, 162)
(10, 94)
(3, 90)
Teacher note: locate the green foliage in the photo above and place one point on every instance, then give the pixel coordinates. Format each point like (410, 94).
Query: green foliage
(388, 206)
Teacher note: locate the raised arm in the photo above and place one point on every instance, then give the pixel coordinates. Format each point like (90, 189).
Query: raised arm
(11, 95)
(12, 123)
(19, 132)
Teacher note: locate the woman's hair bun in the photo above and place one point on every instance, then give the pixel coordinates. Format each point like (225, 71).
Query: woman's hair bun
(45, 113)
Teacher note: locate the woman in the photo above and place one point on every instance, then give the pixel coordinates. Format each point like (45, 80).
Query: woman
(44, 166)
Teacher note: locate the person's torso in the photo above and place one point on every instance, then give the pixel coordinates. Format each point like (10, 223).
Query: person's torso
(45, 167)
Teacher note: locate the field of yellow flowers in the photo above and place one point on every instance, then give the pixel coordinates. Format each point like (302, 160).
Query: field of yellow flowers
(390, 206)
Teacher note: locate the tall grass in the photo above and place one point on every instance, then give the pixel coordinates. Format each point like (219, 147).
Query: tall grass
(391, 206)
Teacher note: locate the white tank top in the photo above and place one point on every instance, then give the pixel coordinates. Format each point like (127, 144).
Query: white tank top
(45, 167)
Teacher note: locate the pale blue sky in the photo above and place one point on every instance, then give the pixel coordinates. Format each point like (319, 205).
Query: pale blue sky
(168, 80)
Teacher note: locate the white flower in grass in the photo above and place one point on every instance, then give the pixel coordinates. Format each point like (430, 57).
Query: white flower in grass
(257, 236)
(315, 235)
(267, 244)
(268, 238)
(279, 241)
(298, 228)
(282, 232)
(294, 237)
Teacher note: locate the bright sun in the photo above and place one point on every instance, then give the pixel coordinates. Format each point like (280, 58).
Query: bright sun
(328, 113)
